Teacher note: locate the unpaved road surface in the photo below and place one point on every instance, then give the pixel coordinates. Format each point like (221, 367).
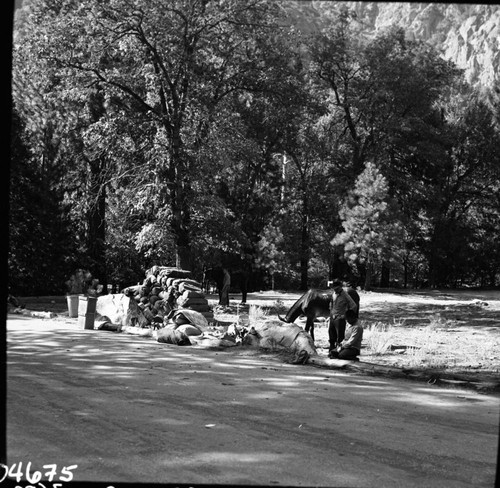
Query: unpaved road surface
(127, 409)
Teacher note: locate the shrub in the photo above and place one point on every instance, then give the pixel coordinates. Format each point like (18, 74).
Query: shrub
(436, 321)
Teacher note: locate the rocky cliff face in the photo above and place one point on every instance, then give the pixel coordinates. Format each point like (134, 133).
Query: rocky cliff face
(467, 34)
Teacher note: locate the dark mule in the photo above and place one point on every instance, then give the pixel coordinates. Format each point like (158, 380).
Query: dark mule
(239, 279)
(313, 304)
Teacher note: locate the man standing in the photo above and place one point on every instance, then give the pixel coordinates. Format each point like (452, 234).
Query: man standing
(351, 291)
(341, 302)
(226, 284)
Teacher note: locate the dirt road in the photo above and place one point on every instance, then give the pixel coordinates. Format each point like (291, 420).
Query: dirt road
(125, 408)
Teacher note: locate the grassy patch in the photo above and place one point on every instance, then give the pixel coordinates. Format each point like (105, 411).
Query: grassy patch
(436, 345)
(276, 307)
(379, 338)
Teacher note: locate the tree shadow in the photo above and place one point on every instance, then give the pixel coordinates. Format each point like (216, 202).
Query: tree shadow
(131, 409)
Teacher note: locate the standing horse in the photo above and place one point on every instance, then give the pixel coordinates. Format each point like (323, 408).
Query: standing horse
(239, 279)
(313, 304)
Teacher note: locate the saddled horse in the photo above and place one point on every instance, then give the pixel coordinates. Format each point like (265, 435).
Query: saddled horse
(239, 279)
(314, 304)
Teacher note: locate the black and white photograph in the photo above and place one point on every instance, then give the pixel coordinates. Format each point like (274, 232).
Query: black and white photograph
(252, 243)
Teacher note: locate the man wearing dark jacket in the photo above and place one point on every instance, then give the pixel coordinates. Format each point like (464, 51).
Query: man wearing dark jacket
(351, 291)
(341, 302)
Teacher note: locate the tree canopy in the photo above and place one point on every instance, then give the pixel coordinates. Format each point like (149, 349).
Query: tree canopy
(206, 132)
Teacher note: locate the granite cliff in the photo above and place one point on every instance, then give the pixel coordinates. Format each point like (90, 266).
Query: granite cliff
(467, 34)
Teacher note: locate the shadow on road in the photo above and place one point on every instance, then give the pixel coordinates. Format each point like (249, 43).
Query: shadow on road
(126, 408)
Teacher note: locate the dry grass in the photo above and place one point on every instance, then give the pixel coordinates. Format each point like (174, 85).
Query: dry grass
(422, 341)
(378, 338)
(257, 314)
(435, 346)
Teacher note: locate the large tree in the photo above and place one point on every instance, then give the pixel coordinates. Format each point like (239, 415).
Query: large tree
(173, 63)
(40, 239)
(374, 87)
(370, 218)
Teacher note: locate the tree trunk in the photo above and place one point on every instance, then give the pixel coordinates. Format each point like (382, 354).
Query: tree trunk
(432, 270)
(385, 275)
(97, 197)
(304, 257)
(179, 188)
(305, 244)
(368, 275)
(183, 257)
(180, 228)
(97, 222)
(492, 283)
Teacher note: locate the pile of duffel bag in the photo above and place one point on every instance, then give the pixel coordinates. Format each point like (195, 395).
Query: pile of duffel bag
(166, 289)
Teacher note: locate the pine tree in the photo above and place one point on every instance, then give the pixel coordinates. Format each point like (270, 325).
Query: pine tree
(372, 229)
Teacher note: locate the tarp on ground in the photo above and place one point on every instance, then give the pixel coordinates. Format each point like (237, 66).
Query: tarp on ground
(192, 317)
(120, 310)
(277, 335)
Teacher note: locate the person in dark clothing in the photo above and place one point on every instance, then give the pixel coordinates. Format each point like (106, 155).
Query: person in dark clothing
(351, 291)
(340, 303)
(226, 285)
(350, 347)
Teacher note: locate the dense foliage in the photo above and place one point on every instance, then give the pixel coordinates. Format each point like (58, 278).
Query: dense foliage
(204, 132)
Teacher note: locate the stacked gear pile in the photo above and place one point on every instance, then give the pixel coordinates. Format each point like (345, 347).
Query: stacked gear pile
(165, 290)
(192, 298)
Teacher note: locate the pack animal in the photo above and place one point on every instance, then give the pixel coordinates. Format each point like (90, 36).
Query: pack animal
(314, 304)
